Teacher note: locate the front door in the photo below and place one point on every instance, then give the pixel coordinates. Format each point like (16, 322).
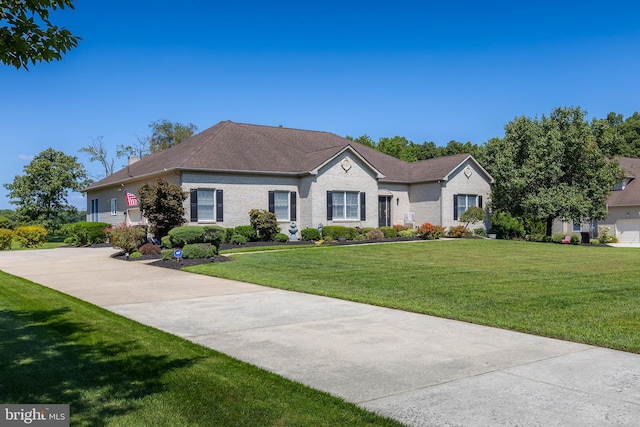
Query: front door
(384, 211)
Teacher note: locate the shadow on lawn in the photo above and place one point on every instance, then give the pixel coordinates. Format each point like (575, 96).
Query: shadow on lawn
(49, 359)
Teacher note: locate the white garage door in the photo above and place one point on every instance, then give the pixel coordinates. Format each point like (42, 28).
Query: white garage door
(628, 230)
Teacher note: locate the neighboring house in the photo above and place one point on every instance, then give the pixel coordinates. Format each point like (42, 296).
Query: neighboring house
(623, 207)
(308, 177)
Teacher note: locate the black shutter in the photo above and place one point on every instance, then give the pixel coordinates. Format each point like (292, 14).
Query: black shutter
(363, 206)
(293, 206)
(480, 202)
(194, 205)
(272, 201)
(455, 207)
(219, 208)
(329, 206)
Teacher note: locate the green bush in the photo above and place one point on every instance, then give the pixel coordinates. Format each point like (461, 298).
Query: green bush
(605, 237)
(547, 239)
(238, 239)
(30, 236)
(332, 232)
(126, 237)
(265, 223)
(228, 234)
(310, 234)
(6, 223)
(389, 232)
(185, 235)
(480, 231)
(167, 254)
(594, 241)
(558, 237)
(198, 250)
(166, 242)
(215, 235)
(135, 255)
(504, 226)
(247, 231)
(375, 234)
(6, 237)
(409, 233)
(281, 237)
(575, 239)
(150, 249)
(85, 233)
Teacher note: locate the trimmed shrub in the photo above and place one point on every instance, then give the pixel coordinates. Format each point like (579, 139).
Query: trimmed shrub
(332, 232)
(310, 234)
(30, 236)
(166, 242)
(150, 249)
(558, 237)
(85, 233)
(281, 237)
(605, 237)
(375, 234)
(198, 250)
(458, 231)
(186, 234)
(265, 223)
(167, 254)
(409, 233)
(247, 231)
(547, 239)
(594, 241)
(504, 226)
(389, 232)
(127, 237)
(575, 239)
(428, 231)
(6, 237)
(215, 235)
(238, 239)
(135, 255)
(480, 231)
(401, 227)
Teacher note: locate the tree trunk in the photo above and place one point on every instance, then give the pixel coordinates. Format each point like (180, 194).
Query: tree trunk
(549, 226)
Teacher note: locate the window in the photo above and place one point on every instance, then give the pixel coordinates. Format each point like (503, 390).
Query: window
(95, 216)
(283, 204)
(114, 206)
(348, 205)
(462, 202)
(576, 225)
(206, 205)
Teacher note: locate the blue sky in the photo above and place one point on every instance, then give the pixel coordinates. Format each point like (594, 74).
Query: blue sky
(426, 70)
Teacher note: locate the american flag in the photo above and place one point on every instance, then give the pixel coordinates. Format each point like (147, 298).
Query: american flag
(132, 200)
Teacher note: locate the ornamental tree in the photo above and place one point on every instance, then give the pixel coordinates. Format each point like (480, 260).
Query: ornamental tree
(162, 205)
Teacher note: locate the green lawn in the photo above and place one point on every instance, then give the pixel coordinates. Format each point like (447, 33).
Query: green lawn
(113, 371)
(578, 293)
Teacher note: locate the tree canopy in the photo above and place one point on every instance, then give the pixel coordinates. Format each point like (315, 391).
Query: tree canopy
(551, 168)
(41, 193)
(28, 36)
(161, 204)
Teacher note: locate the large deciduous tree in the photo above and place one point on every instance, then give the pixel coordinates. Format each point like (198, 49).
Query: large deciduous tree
(28, 36)
(550, 168)
(161, 204)
(41, 193)
(165, 134)
(98, 153)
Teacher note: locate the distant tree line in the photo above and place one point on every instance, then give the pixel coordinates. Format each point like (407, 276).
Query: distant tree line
(615, 136)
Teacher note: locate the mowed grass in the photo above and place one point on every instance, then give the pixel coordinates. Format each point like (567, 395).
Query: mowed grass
(113, 371)
(578, 293)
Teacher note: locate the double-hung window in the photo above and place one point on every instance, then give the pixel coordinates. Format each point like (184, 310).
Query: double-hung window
(114, 206)
(283, 204)
(346, 205)
(95, 213)
(462, 202)
(206, 205)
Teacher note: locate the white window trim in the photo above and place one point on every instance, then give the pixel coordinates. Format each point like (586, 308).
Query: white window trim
(207, 221)
(288, 206)
(344, 206)
(114, 206)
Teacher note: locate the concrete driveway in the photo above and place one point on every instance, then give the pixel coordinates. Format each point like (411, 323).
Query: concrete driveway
(421, 370)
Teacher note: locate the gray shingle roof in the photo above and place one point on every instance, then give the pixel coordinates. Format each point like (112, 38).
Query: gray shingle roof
(630, 196)
(230, 146)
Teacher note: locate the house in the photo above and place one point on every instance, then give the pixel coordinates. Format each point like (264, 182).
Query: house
(311, 178)
(623, 207)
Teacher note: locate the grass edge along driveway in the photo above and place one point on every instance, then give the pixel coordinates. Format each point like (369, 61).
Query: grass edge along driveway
(114, 371)
(584, 294)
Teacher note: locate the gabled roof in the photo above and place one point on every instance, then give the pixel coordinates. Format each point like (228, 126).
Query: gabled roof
(245, 148)
(630, 195)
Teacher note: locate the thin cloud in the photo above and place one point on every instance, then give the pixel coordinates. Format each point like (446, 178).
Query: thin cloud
(25, 156)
